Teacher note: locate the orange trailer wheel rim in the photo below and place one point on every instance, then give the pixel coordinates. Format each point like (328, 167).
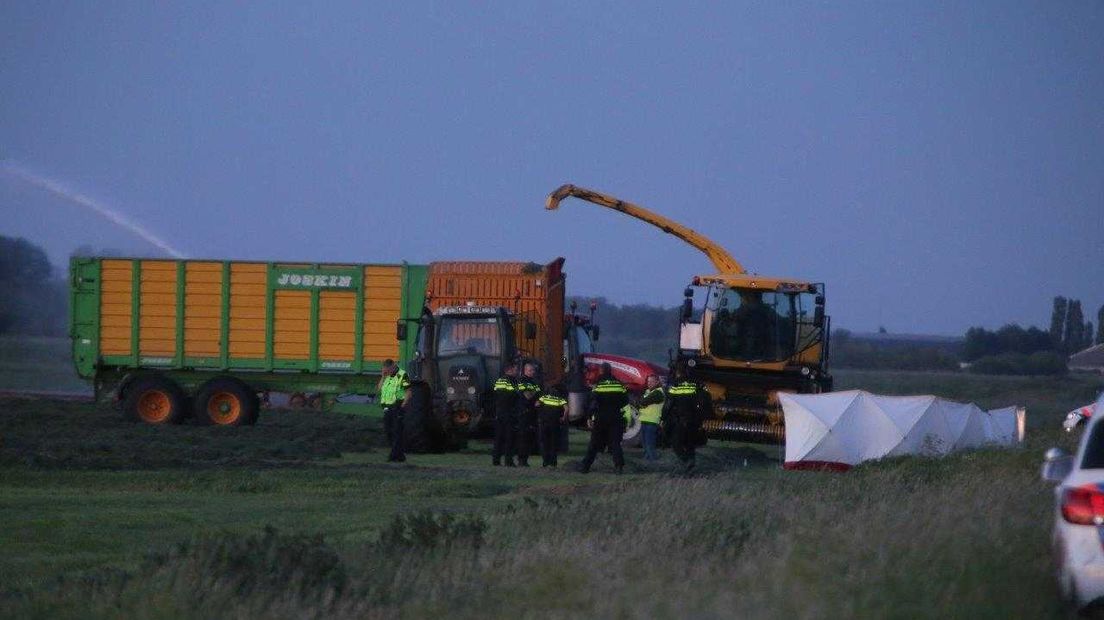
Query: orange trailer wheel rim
(224, 408)
(154, 406)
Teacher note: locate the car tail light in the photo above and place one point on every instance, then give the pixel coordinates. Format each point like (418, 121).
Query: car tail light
(1084, 505)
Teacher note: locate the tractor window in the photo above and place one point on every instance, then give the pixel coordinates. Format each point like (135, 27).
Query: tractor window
(469, 335)
(751, 325)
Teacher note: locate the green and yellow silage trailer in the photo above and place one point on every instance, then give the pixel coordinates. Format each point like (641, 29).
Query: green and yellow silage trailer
(175, 338)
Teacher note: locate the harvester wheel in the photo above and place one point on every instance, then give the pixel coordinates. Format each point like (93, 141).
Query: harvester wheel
(633, 435)
(225, 401)
(155, 399)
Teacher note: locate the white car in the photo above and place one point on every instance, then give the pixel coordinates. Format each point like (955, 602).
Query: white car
(1076, 418)
(1079, 515)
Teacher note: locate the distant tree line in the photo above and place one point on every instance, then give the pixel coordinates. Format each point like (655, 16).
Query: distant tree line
(1069, 331)
(32, 296)
(1013, 350)
(852, 351)
(635, 330)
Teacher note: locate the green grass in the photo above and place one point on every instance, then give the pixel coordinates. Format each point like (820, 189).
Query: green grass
(38, 363)
(301, 517)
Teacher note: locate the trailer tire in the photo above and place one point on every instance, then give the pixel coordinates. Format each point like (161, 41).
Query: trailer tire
(155, 399)
(226, 401)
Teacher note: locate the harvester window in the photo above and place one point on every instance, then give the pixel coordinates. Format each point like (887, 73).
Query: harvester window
(752, 325)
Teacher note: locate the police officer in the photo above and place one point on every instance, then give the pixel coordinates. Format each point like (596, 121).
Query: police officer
(392, 387)
(688, 406)
(505, 422)
(651, 411)
(528, 391)
(607, 400)
(551, 412)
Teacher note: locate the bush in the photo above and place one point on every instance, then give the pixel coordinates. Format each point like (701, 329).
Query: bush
(428, 529)
(1038, 363)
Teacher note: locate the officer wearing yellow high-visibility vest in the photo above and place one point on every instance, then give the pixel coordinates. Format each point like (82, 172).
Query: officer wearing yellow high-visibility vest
(651, 412)
(392, 387)
(688, 405)
(505, 422)
(607, 399)
(551, 412)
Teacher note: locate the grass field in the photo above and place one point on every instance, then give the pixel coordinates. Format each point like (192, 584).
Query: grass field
(34, 363)
(300, 517)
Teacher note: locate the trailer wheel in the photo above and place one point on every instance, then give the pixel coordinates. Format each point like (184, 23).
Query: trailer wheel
(155, 399)
(297, 400)
(225, 401)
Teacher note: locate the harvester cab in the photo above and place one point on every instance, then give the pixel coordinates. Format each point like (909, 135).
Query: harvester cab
(747, 338)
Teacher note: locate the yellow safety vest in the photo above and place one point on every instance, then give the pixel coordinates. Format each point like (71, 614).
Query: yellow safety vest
(652, 413)
(393, 387)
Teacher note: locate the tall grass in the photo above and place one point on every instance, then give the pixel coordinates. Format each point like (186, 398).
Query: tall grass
(964, 536)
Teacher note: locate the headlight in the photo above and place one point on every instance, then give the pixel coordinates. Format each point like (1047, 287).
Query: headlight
(691, 362)
(805, 370)
(450, 391)
(471, 390)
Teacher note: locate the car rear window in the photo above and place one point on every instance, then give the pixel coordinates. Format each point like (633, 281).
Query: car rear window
(1094, 449)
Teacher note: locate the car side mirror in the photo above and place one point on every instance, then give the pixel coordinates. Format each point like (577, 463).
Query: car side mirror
(1057, 464)
(400, 331)
(530, 331)
(594, 331)
(818, 316)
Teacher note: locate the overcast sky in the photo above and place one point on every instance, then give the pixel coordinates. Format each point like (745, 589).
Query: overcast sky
(937, 165)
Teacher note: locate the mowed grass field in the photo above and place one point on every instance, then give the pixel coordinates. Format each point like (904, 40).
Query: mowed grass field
(300, 516)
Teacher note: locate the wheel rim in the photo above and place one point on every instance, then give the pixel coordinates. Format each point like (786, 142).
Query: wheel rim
(224, 408)
(154, 406)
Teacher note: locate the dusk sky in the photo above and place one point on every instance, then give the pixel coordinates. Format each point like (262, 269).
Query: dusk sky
(937, 165)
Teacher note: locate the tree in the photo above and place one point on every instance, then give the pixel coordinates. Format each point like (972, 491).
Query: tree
(1100, 325)
(1058, 320)
(31, 300)
(1075, 327)
(1088, 341)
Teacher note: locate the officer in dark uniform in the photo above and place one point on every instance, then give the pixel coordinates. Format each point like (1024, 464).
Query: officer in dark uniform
(505, 422)
(688, 405)
(607, 399)
(528, 391)
(551, 412)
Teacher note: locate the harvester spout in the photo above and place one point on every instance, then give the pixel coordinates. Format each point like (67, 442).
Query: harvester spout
(721, 259)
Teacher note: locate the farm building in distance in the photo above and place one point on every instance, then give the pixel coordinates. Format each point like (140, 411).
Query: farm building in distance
(1089, 360)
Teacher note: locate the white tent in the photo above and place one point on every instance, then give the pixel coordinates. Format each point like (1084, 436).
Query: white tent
(841, 429)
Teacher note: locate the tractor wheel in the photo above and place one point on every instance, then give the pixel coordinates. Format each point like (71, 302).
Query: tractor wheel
(155, 399)
(416, 432)
(225, 401)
